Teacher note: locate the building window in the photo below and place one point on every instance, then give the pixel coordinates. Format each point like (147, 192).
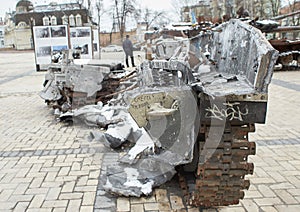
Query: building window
(32, 20)
(22, 24)
(46, 21)
(72, 20)
(64, 20)
(1, 33)
(53, 20)
(78, 20)
(2, 42)
(20, 9)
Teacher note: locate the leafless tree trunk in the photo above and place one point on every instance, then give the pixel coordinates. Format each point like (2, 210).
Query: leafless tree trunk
(89, 4)
(150, 16)
(123, 8)
(179, 4)
(113, 28)
(262, 6)
(294, 21)
(80, 2)
(275, 6)
(100, 12)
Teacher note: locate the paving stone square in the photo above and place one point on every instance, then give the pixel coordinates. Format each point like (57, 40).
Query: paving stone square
(46, 165)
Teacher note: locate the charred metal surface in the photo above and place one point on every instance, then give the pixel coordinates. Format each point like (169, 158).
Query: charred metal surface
(243, 61)
(289, 53)
(189, 109)
(137, 179)
(289, 50)
(79, 84)
(166, 117)
(237, 112)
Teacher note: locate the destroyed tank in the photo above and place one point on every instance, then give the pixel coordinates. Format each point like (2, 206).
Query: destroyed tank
(187, 111)
(198, 100)
(289, 53)
(289, 49)
(72, 83)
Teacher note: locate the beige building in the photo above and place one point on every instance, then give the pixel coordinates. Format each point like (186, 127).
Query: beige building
(19, 35)
(2, 31)
(19, 24)
(222, 10)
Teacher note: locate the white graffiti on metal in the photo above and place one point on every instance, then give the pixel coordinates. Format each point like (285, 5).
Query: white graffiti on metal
(231, 111)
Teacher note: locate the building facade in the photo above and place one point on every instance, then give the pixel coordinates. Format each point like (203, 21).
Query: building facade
(19, 32)
(291, 17)
(222, 10)
(2, 32)
(293, 20)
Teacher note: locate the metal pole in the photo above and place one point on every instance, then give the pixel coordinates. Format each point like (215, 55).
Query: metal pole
(99, 6)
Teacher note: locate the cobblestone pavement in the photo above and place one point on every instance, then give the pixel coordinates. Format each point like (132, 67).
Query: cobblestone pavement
(48, 166)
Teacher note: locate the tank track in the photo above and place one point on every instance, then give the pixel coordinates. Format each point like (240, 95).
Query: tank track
(219, 181)
(290, 60)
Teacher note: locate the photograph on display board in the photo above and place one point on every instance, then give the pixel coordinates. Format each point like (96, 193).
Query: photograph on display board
(84, 49)
(42, 32)
(73, 34)
(58, 49)
(57, 53)
(95, 41)
(43, 51)
(84, 32)
(59, 31)
(95, 47)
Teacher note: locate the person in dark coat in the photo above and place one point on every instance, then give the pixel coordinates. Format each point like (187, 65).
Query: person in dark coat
(128, 49)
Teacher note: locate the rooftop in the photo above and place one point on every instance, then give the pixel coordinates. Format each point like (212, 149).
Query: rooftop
(57, 7)
(24, 3)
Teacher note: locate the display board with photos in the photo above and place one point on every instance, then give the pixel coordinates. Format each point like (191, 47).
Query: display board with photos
(49, 40)
(81, 39)
(96, 45)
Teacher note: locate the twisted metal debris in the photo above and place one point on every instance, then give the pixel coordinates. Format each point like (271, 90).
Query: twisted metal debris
(188, 111)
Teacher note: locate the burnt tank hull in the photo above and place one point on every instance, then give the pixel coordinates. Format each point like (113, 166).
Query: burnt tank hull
(187, 111)
(230, 93)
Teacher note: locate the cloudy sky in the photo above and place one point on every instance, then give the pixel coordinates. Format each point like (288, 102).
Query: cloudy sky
(6, 5)
(106, 22)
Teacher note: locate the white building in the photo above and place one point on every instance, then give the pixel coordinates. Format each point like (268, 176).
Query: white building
(2, 33)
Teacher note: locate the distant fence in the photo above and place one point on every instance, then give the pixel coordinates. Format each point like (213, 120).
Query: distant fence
(115, 38)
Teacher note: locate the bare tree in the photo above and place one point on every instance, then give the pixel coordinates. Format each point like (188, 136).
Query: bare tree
(261, 9)
(89, 7)
(123, 8)
(150, 16)
(89, 3)
(275, 6)
(295, 21)
(80, 2)
(292, 4)
(179, 4)
(100, 12)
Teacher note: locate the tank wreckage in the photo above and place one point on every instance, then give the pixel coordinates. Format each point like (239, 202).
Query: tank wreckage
(289, 49)
(187, 112)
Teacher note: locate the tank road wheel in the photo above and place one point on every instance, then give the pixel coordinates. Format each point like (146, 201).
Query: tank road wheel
(219, 179)
(297, 56)
(286, 58)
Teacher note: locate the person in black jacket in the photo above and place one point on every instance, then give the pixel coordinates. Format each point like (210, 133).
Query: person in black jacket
(128, 49)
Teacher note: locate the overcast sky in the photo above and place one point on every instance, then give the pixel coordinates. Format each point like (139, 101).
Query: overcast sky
(6, 5)
(106, 22)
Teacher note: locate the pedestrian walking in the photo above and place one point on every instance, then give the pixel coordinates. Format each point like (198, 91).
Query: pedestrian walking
(128, 49)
